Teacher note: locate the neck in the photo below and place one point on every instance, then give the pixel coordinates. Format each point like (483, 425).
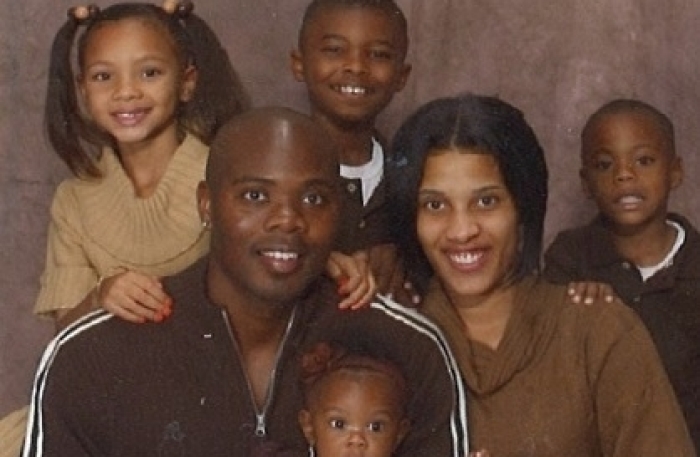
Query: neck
(146, 162)
(485, 317)
(354, 141)
(646, 246)
(255, 321)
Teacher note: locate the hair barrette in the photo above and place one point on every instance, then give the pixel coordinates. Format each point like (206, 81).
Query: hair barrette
(178, 8)
(83, 13)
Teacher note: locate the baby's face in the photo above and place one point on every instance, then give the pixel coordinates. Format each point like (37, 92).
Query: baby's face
(629, 168)
(355, 414)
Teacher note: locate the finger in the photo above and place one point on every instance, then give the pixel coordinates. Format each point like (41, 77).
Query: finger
(124, 313)
(368, 296)
(357, 292)
(333, 268)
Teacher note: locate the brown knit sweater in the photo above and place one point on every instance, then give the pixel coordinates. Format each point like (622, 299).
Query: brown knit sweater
(566, 380)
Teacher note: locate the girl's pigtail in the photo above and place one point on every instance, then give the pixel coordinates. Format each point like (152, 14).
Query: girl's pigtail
(64, 125)
(219, 93)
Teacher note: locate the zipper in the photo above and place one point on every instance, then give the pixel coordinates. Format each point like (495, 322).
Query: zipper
(260, 416)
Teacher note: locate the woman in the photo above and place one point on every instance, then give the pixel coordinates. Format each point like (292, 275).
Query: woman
(546, 378)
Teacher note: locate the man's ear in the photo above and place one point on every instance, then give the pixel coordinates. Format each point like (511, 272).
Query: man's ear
(189, 83)
(296, 64)
(204, 203)
(307, 426)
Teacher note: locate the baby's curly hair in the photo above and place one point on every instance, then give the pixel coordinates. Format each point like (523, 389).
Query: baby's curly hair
(326, 358)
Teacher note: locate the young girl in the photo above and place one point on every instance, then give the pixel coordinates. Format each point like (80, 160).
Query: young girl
(152, 86)
(354, 403)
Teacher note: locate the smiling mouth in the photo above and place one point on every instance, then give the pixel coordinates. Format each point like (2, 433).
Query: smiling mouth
(351, 90)
(284, 256)
(130, 117)
(466, 258)
(629, 201)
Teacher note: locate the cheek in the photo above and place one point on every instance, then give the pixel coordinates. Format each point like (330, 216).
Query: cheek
(428, 229)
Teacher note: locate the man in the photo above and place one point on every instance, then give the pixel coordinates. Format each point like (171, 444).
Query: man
(220, 375)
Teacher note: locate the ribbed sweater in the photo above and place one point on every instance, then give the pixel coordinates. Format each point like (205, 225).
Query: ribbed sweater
(100, 226)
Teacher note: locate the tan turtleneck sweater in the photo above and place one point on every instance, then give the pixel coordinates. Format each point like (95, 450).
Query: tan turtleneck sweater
(100, 226)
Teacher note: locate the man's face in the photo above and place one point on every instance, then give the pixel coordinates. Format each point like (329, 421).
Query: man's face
(273, 211)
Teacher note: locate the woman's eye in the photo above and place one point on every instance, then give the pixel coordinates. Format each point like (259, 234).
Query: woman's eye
(488, 201)
(433, 205)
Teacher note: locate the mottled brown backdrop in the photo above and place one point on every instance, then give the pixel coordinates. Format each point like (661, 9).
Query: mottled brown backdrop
(556, 59)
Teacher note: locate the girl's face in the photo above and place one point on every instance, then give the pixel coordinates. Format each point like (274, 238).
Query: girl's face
(355, 414)
(467, 222)
(132, 81)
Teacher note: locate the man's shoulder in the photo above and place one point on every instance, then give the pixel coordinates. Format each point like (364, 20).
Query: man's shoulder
(384, 326)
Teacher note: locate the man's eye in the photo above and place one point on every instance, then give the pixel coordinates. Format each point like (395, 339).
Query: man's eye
(254, 195)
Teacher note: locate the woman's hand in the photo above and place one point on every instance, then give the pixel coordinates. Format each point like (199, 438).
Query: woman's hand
(588, 292)
(134, 297)
(354, 278)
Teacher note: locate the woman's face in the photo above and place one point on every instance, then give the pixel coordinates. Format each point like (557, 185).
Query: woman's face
(467, 222)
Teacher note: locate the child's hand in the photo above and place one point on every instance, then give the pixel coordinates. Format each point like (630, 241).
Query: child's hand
(134, 297)
(354, 278)
(391, 277)
(589, 292)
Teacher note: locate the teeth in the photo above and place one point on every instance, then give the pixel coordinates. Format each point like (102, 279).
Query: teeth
(126, 115)
(629, 199)
(279, 255)
(353, 90)
(465, 258)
